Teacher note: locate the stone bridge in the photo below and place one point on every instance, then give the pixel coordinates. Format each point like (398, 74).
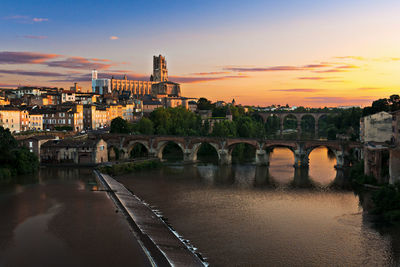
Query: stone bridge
(224, 147)
(298, 116)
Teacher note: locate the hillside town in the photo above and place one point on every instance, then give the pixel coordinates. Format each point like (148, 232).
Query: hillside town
(76, 109)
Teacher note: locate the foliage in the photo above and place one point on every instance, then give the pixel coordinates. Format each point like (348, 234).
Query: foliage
(119, 125)
(224, 129)
(384, 104)
(175, 121)
(204, 104)
(387, 203)
(14, 160)
(144, 126)
(358, 177)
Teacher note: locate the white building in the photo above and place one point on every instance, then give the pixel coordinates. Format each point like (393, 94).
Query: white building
(100, 86)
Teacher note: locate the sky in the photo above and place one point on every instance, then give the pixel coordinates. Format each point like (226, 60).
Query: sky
(296, 52)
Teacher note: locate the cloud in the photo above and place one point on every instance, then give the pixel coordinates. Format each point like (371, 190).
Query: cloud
(352, 57)
(5, 85)
(210, 73)
(338, 100)
(32, 73)
(80, 63)
(39, 37)
(7, 57)
(296, 90)
(278, 68)
(25, 19)
(314, 78)
(183, 79)
(114, 37)
(341, 68)
(369, 88)
(40, 19)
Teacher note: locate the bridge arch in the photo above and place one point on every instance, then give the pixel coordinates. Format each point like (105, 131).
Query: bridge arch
(138, 145)
(307, 125)
(245, 150)
(196, 147)
(331, 149)
(290, 121)
(163, 144)
(272, 125)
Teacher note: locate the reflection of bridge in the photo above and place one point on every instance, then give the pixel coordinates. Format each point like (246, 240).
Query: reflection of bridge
(299, 116)
(224, 147)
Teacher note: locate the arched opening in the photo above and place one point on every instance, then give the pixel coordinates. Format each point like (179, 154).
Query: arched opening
(257, 117)
(272, 127)
(289, 127)
(243, 153)
(138, 150)
(307, 127)
(322, 161)
(207, 153)
(171, 151)
(281, 161)
(324, 128)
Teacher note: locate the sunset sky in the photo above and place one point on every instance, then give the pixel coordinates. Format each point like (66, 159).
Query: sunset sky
(310, 53)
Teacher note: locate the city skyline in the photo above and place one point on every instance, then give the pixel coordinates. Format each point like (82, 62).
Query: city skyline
(260, 53)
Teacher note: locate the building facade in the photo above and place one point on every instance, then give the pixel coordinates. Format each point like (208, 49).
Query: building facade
(10, 119)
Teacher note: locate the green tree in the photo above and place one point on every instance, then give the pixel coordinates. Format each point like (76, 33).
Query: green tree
(224, 129)
(204, 104)
(14, 160)
(145, 126)
(119, 125)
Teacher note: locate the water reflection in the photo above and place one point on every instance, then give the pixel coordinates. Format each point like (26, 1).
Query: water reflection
(54, 220)
(248, 215)
(281, 173)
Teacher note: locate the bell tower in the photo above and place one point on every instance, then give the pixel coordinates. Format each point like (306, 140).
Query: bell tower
(160, 72)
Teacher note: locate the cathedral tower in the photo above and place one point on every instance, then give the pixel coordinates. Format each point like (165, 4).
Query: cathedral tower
(160, 72)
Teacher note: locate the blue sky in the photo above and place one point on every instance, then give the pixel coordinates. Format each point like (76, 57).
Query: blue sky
(209, 37)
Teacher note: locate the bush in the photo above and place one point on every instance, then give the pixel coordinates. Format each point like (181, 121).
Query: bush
(387, 203)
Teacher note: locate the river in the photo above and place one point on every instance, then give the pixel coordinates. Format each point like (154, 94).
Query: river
(55, 219)
(257, 216)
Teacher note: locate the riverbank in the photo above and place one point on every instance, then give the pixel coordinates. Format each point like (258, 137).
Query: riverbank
(159, 241)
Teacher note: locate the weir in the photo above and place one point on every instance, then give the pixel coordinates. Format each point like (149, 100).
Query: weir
(161, 245)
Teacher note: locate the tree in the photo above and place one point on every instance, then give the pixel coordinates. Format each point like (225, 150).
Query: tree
(204, 104)
(119, 125)
(145, 126)
(14, 160)
(224, 129)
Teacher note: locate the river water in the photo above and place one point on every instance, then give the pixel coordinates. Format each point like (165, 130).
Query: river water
(257, 216)
(55, 219)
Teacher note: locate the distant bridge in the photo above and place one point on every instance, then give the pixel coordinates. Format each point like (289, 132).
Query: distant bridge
(224, 146)
(298, 116)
